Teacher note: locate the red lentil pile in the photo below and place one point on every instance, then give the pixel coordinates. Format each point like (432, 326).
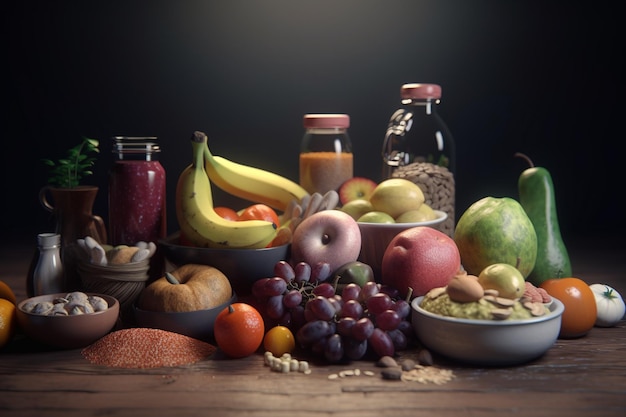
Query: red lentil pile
(146, 348)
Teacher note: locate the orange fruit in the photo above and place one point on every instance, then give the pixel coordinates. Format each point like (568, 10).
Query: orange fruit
(7, 293)
(239, 330)
(279, 340)
(260, 212)
(8, 321)
(226, 213)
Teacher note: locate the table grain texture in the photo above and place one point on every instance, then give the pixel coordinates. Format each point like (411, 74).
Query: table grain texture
(576, 377)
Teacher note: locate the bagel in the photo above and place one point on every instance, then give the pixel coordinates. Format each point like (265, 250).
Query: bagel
(121, 255)
(190, 287)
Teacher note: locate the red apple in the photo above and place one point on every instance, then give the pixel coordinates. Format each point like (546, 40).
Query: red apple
(421, 258)
(330, 236)
(356, 188)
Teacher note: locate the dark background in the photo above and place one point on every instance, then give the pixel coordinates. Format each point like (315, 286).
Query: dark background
(544, 78)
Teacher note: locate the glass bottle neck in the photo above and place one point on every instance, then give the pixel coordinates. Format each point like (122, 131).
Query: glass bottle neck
(429, 104)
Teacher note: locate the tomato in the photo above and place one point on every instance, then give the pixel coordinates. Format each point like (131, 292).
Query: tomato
(227, 213)
(260, 212)
(580, 305)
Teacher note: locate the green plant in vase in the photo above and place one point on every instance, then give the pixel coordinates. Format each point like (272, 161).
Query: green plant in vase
(70, 202)
(69, 171)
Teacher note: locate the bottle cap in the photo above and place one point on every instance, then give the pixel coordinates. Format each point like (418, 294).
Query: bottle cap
(48, 240)
(419, 90)
(326, 121)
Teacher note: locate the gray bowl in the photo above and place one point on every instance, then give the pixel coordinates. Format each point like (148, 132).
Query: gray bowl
(487, 342)
(68, 332)
(241, 266)
(197, 324)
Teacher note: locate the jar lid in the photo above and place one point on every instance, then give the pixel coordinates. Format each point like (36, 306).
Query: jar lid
(326, 120)
(419, 90)
(135, 144)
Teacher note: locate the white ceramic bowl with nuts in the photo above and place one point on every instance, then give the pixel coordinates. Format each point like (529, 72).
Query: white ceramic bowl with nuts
(487, 342)
(59, 321)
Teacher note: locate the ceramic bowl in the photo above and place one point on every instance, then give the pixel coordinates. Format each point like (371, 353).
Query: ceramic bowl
(242, 266)
(68, 332)
(375, 237)
(487, 342)
(197, 324)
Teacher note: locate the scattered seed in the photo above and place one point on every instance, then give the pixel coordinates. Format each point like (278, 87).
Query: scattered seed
(285, 363)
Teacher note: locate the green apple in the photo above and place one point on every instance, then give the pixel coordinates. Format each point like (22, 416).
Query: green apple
(357, 208)
(496, 230)
(422, 214)
(376, 217)
(504, 278)
(356, 272)
(396, 195)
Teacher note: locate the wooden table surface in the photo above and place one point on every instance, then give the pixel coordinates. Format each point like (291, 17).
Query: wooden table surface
(585, 376)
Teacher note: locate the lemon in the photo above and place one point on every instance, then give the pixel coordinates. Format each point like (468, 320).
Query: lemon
(396, 195)
(279, 340)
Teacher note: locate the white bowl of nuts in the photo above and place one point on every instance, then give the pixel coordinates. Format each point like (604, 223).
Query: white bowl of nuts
(493, 340)
(68, 320)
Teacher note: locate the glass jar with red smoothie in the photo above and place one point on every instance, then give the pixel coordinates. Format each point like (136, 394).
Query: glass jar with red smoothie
(137, 198)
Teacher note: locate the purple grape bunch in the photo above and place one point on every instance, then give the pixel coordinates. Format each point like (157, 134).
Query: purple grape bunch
(284, 296)
(338, 327)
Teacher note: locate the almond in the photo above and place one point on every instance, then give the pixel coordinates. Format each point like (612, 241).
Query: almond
(465, 289)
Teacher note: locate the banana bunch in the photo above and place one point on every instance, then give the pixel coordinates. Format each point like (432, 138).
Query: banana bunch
(200, 224)
(252, 183)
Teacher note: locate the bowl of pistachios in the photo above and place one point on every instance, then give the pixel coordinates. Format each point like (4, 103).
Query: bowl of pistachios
(68, 320)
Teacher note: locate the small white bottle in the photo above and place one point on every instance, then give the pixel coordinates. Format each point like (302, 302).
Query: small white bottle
(48, 276)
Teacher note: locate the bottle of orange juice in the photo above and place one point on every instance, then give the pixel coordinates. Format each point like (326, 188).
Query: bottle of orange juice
(326, 152)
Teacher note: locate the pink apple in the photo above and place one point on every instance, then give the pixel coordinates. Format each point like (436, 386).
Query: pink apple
(421, 258)
(330, 236)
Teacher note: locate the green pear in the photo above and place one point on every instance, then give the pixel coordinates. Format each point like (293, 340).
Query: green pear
(504, 278)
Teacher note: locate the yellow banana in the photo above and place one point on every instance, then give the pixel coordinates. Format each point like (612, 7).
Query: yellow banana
(250, 183)
(199, 223)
